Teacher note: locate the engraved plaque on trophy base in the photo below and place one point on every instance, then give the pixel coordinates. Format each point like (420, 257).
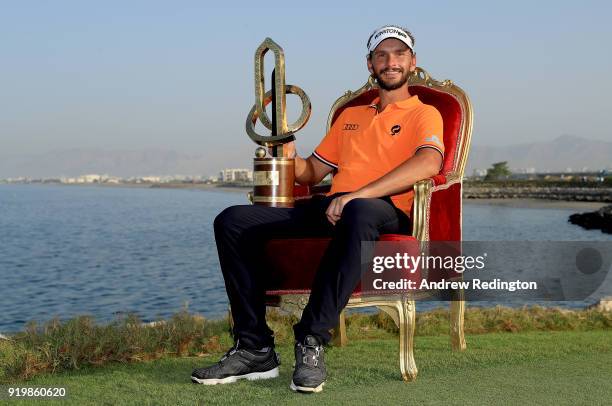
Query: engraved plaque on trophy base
(273, 180)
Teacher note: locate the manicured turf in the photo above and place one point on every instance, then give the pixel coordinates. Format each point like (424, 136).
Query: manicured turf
(498, 368)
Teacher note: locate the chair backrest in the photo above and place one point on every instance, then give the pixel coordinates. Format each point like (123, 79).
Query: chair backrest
(450, 100)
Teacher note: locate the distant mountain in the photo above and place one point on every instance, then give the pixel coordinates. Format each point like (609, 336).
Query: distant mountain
(123, 163)
(555, 155)
(558, 154)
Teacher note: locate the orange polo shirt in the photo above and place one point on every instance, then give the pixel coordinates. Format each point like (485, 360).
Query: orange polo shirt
(364, 145)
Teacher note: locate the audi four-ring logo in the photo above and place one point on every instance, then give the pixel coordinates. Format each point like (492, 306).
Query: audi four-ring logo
(351, 127)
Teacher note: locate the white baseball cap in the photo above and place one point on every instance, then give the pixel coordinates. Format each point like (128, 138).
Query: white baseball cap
(389, 31)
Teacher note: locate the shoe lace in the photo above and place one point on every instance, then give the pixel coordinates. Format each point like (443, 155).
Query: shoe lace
(229, 352)
(310, 354)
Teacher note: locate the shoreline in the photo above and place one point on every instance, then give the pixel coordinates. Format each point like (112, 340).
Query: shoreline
(532, 203)
(513, 202)
(201, 186)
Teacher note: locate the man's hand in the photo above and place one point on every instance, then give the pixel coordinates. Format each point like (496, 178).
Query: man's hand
(309, 171)
(288, 150)
(424, 164)
(334, 210)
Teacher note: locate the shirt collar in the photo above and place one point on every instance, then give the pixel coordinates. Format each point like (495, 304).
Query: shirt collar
(402, 104)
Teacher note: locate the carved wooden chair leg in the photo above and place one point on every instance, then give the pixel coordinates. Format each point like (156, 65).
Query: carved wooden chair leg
(407, 313)
(403, 314)
(339, 338)
(457, 314)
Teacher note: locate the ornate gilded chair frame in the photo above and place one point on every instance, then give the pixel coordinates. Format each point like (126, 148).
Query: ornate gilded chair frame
(401, 308)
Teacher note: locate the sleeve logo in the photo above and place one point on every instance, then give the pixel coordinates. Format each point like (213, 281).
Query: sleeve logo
(434, 139)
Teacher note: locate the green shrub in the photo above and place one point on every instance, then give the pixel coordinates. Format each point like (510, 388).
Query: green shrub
(59, 346)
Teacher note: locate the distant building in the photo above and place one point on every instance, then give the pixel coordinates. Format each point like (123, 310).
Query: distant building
(479, 173)
(236, 175)
(524, 170)
(67, 180)
(91, 178)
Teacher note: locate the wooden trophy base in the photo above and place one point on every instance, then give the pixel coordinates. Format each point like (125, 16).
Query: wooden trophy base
(273, 180)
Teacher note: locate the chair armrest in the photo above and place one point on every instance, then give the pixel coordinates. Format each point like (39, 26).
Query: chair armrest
(304, 192)
(436, 211)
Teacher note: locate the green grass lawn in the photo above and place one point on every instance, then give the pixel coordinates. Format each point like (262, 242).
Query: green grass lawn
(497, 368)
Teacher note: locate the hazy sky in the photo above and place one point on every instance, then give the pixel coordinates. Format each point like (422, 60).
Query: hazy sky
(179, 74)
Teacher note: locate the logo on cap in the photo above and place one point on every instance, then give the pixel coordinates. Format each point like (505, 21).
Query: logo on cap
(389, 31)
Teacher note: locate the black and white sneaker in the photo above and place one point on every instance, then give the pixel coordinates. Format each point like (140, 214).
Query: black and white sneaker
(239, 363)
(309, 374)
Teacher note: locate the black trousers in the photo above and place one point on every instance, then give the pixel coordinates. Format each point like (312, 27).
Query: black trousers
(241, 232)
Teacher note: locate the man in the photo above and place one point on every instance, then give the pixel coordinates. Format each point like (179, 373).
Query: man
(379, 152)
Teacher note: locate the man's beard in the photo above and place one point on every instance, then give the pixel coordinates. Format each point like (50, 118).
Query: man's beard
(391, 86)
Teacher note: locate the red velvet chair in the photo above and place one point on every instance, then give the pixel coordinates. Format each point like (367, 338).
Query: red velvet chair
(436, 216)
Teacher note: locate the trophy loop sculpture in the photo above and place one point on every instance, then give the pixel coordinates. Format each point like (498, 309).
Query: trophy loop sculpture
(273, 178)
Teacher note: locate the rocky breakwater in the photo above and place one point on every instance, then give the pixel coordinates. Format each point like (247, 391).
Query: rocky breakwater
(576, 194)
(597, 220)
